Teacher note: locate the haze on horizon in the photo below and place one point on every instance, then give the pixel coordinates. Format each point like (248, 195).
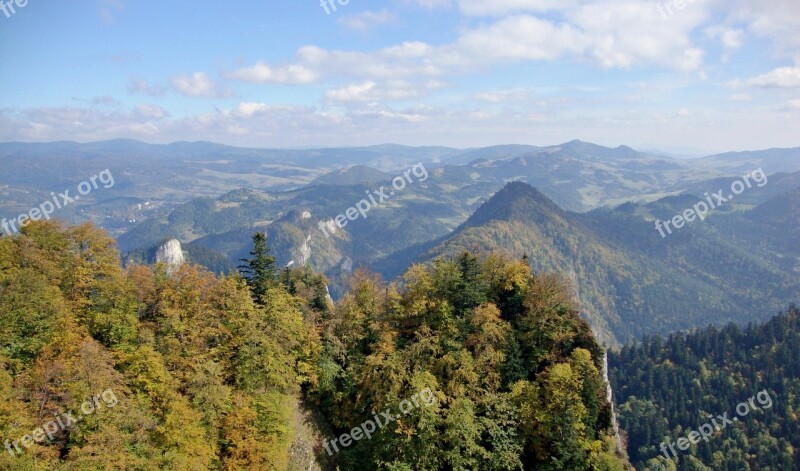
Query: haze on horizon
(712, 76)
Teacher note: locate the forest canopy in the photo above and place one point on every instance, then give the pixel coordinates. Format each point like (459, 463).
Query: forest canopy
(668, 387)
(210, 371)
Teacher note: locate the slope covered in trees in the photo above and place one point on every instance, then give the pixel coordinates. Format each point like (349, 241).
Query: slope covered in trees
(205, 377)
(515, 371)
(631, 282)
(667, 388)
(207, 370)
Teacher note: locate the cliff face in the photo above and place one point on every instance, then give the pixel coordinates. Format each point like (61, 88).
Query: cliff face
(610, 398)
(171, 253)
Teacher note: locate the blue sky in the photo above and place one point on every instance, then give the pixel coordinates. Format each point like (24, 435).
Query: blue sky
(710, 76)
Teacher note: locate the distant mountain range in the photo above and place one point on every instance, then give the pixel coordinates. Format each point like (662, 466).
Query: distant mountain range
(591, 216)
(579, 176)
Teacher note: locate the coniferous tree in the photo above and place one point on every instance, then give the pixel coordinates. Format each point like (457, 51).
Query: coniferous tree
(470, 290)
(287, 281)
(259, 270)
(668, 387)
(205, 378)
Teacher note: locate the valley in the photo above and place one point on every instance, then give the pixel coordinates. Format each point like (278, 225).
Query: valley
(629, 281)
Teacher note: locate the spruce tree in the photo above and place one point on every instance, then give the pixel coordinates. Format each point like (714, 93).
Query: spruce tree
(259, 270)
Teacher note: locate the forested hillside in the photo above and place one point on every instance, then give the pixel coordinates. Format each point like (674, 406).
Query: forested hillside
(479, 364)
(630, 281)
(205, 377)
(667, 388)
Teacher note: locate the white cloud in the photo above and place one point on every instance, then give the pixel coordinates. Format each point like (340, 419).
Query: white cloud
(355, 92)
(199, 84)
(608, 33)
(261, 125)
(249, 109)
(263, 73)
(776, 20)
(82, 124)
(367, 20)
(368, 88)
(383, 114)
(730, 38)
(391, 90)
(782, 77)
(142, 86)
(623, 33)
(497, 7)
(633, 33)
(516, 38)
(409, 59)
(504, 7)
(150, 111)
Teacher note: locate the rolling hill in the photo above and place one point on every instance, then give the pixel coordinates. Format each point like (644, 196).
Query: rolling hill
(153, 180)
(630, 281)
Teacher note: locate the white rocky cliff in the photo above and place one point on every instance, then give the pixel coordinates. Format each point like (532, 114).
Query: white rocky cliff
(171, 254)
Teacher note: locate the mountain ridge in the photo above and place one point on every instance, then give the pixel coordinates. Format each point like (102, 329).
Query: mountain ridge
(621, 268)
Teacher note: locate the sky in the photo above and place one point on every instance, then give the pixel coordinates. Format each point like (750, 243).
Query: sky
(683, 76)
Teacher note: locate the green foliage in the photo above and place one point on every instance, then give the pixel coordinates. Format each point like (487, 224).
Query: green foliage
(259, 271)
(205, 377)
(668, 387)
(442, 329)
(209, 376)
(629, 282)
